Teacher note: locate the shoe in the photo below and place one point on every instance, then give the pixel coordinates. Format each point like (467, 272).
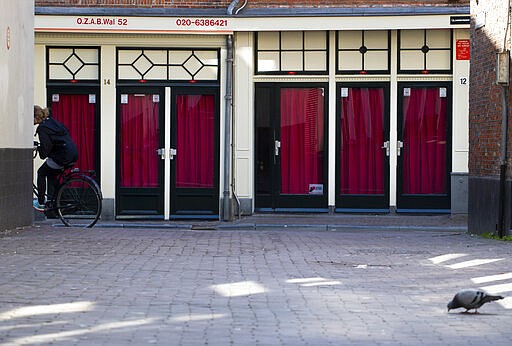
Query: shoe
(38, 206)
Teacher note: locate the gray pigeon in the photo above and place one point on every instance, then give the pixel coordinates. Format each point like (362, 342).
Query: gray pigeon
(471, 298)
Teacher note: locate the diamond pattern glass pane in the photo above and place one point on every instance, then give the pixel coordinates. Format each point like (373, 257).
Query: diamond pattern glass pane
(168, 64)
(142, 64)
(193, 65)
(73, 63)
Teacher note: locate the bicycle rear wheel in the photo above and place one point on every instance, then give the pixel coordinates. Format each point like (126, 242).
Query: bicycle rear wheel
(78, 202)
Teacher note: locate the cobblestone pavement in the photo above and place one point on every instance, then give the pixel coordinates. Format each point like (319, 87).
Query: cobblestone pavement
(263, 286)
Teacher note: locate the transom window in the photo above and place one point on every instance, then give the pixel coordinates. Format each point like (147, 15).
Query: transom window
(291, 52)
(167, 64)
(73, 63)
(363, 52)
(425, 51)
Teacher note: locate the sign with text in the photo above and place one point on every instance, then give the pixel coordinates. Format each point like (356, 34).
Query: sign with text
(132, 24)
(462, 49)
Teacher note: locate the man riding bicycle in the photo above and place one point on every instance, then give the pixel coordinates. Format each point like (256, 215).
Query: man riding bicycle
(57, 147)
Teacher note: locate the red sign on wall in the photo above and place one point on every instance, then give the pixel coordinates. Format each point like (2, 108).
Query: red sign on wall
(462, 50)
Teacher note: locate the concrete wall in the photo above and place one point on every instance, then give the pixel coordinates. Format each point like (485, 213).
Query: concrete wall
(16, 112)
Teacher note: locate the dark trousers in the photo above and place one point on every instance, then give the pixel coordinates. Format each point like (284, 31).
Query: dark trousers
(45, 172)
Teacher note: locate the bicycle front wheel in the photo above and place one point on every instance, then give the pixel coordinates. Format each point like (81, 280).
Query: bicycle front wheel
(78, 202)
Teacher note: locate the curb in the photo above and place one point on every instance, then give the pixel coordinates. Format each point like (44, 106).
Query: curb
(252, 226)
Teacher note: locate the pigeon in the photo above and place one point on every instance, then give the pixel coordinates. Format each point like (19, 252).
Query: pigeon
(471, 298)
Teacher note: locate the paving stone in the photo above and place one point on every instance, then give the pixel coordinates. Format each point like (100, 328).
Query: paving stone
(285, 285)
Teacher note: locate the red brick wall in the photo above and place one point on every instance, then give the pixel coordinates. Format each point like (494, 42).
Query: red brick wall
(485, 96)
(251, 3)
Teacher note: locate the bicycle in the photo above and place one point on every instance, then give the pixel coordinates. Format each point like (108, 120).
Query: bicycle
(76, 198)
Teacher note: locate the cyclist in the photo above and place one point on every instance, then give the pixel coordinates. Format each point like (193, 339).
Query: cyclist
(57, 147)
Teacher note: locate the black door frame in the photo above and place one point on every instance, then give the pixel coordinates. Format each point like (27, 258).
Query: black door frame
(434, 203)
(83, 90)
(129, 201)
(275, 202)
(363, 203)
(189, 203)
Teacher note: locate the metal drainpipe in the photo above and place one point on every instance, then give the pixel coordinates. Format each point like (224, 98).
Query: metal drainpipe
(226, 210)
(502, 228)
(503, 164)
(227, 213)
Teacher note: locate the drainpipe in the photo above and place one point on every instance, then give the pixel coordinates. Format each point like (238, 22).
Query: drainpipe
(502, 79)
(227, 214)
(503, 165)
(227, 210)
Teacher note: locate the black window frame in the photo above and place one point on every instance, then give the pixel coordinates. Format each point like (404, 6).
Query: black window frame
(360, 49)
(303, 50)
(424, 49)
(167, 78)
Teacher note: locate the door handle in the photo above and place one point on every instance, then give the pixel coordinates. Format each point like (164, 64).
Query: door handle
(386, 145)
(399, 146)
(172, 152)
(277, 145)
(161, 153)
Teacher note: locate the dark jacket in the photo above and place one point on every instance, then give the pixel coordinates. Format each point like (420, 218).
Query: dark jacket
(56, 143)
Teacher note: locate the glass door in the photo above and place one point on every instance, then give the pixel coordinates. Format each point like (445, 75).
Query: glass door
(78, 111)
(194, 153)
(424, 145)
(291, 148)
(140, 152)
(363, 148)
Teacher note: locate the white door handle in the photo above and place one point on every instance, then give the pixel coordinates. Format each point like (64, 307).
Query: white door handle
(386, 145)
(399, 146)
(277, 145)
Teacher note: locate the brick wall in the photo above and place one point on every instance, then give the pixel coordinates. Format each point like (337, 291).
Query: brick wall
(485, 118)
(251, 3)
(485, 95)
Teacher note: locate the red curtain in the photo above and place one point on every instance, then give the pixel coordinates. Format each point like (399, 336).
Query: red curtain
(302, 140)
(424, 137)
(78, 115)
(195, 141)
(362, 126)
(139, 141)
